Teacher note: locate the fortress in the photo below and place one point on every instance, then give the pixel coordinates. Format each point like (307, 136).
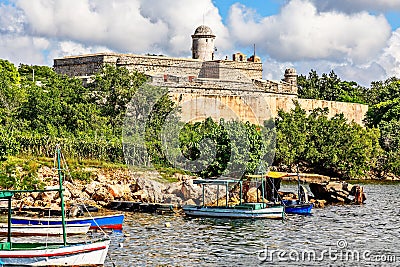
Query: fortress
(228, 88)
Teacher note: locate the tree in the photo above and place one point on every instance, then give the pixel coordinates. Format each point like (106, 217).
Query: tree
(330, 87)
(382, 91)
(327, 145)
(291, 135)
(309, 87)
(384, 111)
(112, 90)
(12, 94)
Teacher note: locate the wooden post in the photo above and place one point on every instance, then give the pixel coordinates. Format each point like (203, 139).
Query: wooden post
(61, 194)
(227, 194)
(217, 194)
(203, 195)
(9, 221)
(241, 192)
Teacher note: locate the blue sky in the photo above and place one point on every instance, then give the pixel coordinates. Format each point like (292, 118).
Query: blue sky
(358, 39)
(264, 8)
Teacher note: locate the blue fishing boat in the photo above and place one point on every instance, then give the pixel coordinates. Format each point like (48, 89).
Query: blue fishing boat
(113, 221)
(301, 205)
(297, 207)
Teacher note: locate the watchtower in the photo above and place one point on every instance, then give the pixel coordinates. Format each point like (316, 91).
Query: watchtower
(203, 43)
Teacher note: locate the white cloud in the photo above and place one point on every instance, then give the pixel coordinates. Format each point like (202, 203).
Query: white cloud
(182, 17)
(115, 24)
(363, 75)
(390, 58)
(128, 26)
(299, 32)
(11, 19)
(357, 46)
(67, 48)
(136, 26)
(358, 5)
(23, 49)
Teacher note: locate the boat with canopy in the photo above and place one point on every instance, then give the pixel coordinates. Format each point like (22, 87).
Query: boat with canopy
(244, 210)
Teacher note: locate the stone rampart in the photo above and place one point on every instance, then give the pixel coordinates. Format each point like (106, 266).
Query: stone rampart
(255, 107)
(200, 98)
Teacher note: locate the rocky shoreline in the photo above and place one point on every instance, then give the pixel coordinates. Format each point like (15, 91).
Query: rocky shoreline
(110, 185)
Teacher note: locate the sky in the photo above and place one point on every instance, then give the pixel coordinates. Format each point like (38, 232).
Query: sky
(358, 39)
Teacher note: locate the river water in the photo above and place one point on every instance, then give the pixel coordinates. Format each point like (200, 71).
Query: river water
(339, 235)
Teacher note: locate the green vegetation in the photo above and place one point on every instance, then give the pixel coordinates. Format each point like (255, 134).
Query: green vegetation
(383, 98)
(330, 146)
(39, 108)
(330, 87)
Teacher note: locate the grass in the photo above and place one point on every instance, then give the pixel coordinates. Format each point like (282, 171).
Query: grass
(78, 167)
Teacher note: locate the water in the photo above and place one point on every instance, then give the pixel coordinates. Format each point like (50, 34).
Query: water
(366, 235)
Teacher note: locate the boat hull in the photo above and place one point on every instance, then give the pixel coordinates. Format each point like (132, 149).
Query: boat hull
(276, 212)
(294, 208)
(43, 230)
(90, 254)
(104, 222)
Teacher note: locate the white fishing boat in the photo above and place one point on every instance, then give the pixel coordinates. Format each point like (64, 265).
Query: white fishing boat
(258, 210)
(44, 230)
(87, 253)
(244, 211)
(48, 254)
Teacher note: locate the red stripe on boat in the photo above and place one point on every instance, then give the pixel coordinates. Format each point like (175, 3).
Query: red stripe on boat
(54, 254)
(110, 226)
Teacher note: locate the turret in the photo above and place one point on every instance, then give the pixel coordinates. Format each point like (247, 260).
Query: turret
(291, 76)
(203, 43)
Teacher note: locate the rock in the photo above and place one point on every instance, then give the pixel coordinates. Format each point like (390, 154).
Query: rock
(54, 206)
(318, 203)
(190, 202)
(140, 195)
(46, 196)
(173, 199)
(102, 203)
(35, 195)
(40, 203)
(152, 188)
(251, 195)
(102, 194)
(28, 201)
(83, 196)
(67, 194)
(75, 190)
(91, 188)
(102, 178)
(335, 192)
(117, 191)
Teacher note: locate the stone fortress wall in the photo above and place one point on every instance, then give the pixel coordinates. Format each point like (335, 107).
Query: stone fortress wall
(234, 86)
(87, 65)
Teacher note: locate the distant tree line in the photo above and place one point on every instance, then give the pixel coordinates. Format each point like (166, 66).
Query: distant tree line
(37, 111)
